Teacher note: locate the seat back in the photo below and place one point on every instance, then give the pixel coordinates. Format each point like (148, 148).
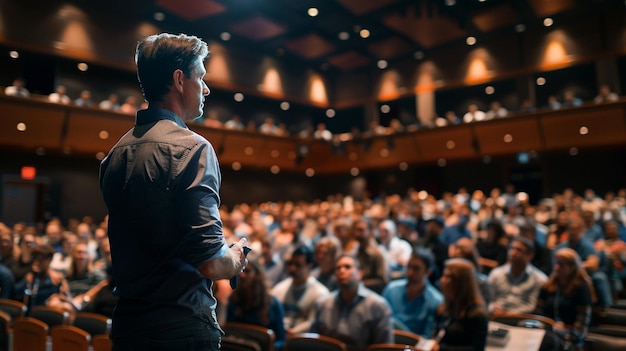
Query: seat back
(263, 336)
(13, 308)
(524, 320)
(69, 338)
(29, 334)
(92, 323)
(5, 323)
(52, 316)
(313, 342)
(392, 347)
(235, 343)
(101, 342)
(405, 337)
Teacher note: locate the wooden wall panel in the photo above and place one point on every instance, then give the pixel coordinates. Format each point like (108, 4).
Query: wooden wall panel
(605, 125)
(448, 143)
(84, 130)
(43, 122)
(506, 136)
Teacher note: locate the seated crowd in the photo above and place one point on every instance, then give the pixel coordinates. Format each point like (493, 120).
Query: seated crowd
(357, 270)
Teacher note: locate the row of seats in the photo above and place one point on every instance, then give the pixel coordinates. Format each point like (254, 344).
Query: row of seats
(45, 324)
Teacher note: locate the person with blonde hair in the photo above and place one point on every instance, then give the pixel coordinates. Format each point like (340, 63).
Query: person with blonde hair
(567, 298)
(462, 320)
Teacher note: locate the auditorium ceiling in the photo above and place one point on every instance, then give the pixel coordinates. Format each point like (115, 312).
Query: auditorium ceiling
(347, 35)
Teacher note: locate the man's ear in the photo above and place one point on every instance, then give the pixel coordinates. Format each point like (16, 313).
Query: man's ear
(177, 80)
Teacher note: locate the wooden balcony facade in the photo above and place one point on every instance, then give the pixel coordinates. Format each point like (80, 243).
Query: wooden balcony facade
(37, 126)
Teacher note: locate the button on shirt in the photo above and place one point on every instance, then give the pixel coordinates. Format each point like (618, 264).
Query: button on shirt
(516, 295)
(160, 183)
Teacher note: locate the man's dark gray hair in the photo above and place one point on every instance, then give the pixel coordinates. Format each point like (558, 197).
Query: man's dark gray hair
(159, 55)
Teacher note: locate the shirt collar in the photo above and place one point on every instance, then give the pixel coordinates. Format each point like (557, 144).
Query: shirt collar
(155, 114)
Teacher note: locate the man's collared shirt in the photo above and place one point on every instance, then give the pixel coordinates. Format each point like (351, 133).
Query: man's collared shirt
(160, 183)
(515, 294)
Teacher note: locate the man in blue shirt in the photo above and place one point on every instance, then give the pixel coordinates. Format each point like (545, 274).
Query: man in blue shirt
(160, 183)
(414, 300)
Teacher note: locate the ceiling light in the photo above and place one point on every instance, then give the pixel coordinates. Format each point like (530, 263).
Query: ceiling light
(382, 64)
(275, 169)
(418, 55)
(470, 40)
(309, 172)
(541, 81)
(330, 113)
(312, 12)
(354, 171)
(238, 97)
(100, 156)
(364, 33)
(159, 16)
(225, 36)
(14, 54)
(520, 27)
(450, 2)
(236, 166)
(82, 67)
(284, 106)
(21, 127)
(489, 90)
(385, 108)
(548, 22)
(344, 35)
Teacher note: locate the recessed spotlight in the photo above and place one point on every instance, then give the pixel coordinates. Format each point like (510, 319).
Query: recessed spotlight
(489, 90)
(583, 130)
(14, 54)
(284, 106)
(238, 97)
(354, 171)
(470, 40)
(364, 33)
(21, 127)
(159, 16)
(100, 156)
(382, 64)
(385, 108)
(309, 172)
(548, 22)
(541, 81)
(82, 67)
(418, 55)
(520, 28)
(236, 166)
(330, 113)
(275, 169)
(573, 151)
(450, 2)
(508, 138)
(442, 162)
(104, 135)
(225, 36)
(344, 35)
(403, 166)
(312, 11)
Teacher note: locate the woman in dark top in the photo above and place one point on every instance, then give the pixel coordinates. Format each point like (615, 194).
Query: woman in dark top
(567, 297)
(494, 246)
(462, 320)
(252, 303)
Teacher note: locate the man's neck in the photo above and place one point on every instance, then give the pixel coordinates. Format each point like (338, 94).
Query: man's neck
(415, 289)
(298, 282)
(347, 294)
(517, 270)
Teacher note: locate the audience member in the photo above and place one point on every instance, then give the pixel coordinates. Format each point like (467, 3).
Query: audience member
(605, 95)
(268, 127)
(111, 103)
(212, 120)
(252, 303)
(591, 260)
(553, 102)
(81, 275)
(327, 249)
(496, 110)
(84, 100)
(17, 89)
(299, 291)
(615, 250)
(395, 250)
(462, 319)
(234, 123)
(59, 96)
(567, 298)
(465, 248)
(515, 285)
(430, 241)
(321, 133)
(413, 300)
(371, 260)
(570, 100)
(452, 118)
(542, 258)
(493, 247)
(129, 106)
(473, 114)
(23, 263)
(353, 314)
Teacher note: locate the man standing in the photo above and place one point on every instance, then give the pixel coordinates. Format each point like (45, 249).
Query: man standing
(160, 183)
(353, 313)
(515, 285)
(299, 291)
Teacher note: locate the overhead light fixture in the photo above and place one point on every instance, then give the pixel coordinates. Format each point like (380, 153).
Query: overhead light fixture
(520, 27)
(470, 40)
(159, 16)
(238, 97)
(225, 36)
(344, 35)
(14, 54)
(382, 64)
(83, 67)
(548, 22)
(312, 11)
(364, 33)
